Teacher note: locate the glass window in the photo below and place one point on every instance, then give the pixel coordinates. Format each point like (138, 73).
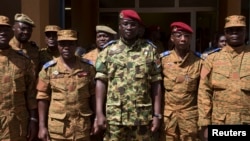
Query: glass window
(117, 3)
(157, 3)
(197, 3)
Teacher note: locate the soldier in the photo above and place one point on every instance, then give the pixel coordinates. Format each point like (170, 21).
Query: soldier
(71, 82)
(51, 51)
(18, 107)
(181, 70)
(127, 72)
(23, 28)
(104, 34)
(224, 91)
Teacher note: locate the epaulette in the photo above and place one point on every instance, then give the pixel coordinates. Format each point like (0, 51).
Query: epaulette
(48, 64)
(109, 43)
(150, 42)
(33, 44)
(87, 61)
(166, 53)
(198, 54)
(205, 54)
(23, 54)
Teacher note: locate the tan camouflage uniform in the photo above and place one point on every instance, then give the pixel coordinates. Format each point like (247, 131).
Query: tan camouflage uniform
(30, 50)
(17, 92)
(92, 55)
(69, 112)
(224, 91)
(129, 70)
(181, 79)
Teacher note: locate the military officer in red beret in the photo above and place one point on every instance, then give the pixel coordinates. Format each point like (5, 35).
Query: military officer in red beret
(128, 84)
(181, 71)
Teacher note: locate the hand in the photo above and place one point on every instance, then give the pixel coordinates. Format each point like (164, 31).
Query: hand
(43, 134)
(155, 124)
(32, 130)
(94, 129)
(204, 133)
(101, 123)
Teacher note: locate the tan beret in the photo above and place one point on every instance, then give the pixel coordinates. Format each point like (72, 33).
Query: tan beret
(24, 18)
(66, 35)
(235, 20)
(4, 20)
(105, 29)
(54, 28)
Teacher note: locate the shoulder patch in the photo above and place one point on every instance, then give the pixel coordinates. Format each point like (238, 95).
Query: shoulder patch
(166, 53)
(20, 52)
(87, 61)
(205, 54)
(150, 42)
(48, 64)
(109, 43)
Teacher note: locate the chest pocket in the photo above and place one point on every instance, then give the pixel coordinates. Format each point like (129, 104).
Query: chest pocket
(116, 68)
(169, 76)
(142, 69)
(192, 82)
(245, 80)
(220, 77)
(83, 84)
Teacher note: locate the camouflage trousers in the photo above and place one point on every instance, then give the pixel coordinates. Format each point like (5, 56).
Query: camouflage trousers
(179, 129)
(128, 133)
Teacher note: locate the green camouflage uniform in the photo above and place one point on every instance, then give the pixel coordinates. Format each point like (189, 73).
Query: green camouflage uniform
(69, 112)
(181, 79)
(29, 50)
(128, 71)
(224, 91)
(17, 84)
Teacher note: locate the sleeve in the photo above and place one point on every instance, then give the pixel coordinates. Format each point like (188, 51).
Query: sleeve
(101, 67)
(156, 69)
(43, 86)
(30, 78)
(205, 93)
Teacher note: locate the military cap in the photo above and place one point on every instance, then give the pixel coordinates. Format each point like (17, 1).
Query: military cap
(4, 20)
(54, 28)
(66, 35)
(105, 29)
(19, 17)
(130, 14)
(235, 20)
(180, 26)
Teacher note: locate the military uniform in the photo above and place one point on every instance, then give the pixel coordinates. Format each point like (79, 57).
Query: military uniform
(30, 49)
(224, 91)
(92, 55)
(69, 111)
(128, 70)
(16, 94)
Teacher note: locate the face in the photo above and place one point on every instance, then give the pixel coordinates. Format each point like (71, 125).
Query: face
(22, 31)
(5, 36)
(102, 38)
(235, 36)
(222, 41)
(51, 38)
(67, 49)
(181, 40)
(129, 29)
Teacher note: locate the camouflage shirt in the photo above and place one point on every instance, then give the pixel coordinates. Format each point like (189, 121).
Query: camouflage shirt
(181, 80)
(129, 70)
(29, 50)
(224, 91)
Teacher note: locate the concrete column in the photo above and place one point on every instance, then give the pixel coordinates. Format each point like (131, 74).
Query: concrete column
(38, 11)
(84, 19)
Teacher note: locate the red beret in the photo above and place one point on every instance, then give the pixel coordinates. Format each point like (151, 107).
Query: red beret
(180, 26)
(130, 14)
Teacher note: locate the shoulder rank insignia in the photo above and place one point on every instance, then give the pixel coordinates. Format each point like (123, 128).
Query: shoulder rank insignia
(198, 54)
(87, 61)
(205, 54)
(150, 42)
(166, 53)
(109, 43)
(23, 54)
(48, 64)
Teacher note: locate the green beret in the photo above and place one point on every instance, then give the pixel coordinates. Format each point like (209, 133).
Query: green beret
(24, 18)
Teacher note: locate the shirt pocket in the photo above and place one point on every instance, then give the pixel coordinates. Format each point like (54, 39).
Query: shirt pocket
(220, 78)
(116, 69)
(192, 82)
(56, 123)
(245, 81)
(142, 69)
(144, 112)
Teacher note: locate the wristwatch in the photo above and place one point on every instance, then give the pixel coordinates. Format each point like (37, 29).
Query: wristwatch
(159, 116)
